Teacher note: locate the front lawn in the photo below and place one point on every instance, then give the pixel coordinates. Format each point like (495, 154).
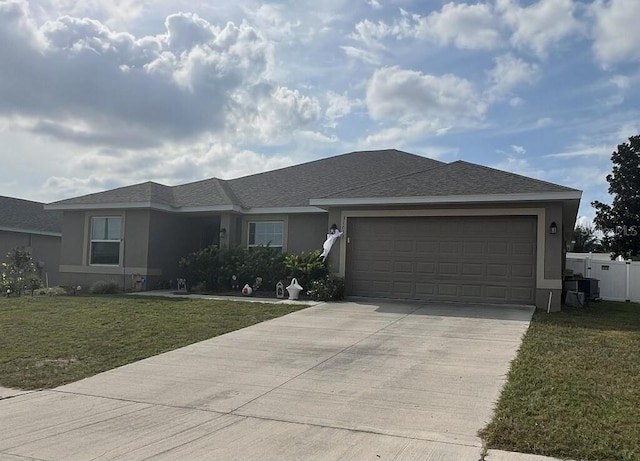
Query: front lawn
(574, 389)
(48, 341)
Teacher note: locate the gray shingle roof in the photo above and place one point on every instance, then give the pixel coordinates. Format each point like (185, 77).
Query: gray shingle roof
(295, 185)
(364, 174)
(456, 178)
(138, 193)
(28, 216)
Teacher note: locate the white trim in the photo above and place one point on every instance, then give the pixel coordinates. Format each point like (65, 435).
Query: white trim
(106, 269)
(146, 205)
(187, 209)
(541, 281)
(108, 206)
(448, 199)
(26, 231)
(285, 210)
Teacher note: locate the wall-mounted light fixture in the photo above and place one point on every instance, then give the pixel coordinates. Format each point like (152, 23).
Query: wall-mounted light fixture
(553, 229)
(223, 233)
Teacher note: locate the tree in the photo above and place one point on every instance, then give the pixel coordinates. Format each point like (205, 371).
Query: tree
(19, 273)
(584, 240)
(620, 221)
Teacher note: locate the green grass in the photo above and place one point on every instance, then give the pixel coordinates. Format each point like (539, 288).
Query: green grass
(48, 341)
(574, 389)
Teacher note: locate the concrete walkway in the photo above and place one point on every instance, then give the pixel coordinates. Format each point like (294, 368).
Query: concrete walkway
(348, 381)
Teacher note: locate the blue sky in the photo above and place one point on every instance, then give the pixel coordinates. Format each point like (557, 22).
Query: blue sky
(103, 93)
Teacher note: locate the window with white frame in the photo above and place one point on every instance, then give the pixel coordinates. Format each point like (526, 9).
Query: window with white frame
(105, 240)
(266, 233)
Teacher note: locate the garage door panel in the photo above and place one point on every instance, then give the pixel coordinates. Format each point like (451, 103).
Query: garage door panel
(403, 266)
(523, 248)
(521, 270)
(499, 293)
(425, 289)
(403, 246)
(403, 289)
(472, 291)
(497, 248)
(497, 270)
(448, 248)
(447, 289)
(465, 258)
(474, 248)
(472, 269)
(426, 247)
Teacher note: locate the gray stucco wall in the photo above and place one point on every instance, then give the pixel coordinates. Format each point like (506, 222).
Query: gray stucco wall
(73, 237)
(44, 248)
(307, 232)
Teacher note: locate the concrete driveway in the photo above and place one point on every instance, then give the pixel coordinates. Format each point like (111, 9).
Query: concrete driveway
(349, 381)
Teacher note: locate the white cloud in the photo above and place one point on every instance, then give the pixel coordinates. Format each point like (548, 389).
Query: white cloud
(616, 32)
(518, 149)
(508, 73)
(462, 25)
(116, 89)
(399, 136)
(271, 20)
(339, 105)
(406, 95)
(583, 151)
(361, 55)
(375, 4)
(371, 33)
(516, 101)
(541, 24)
(276, 116)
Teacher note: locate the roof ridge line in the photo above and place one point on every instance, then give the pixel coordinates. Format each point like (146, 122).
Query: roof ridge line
(404, 175)
(228, 191)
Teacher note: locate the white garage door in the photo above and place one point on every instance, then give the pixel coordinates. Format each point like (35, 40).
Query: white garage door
(487, 259)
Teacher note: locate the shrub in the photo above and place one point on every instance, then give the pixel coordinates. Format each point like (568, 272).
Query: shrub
(19, 273)
(306, 267)
(213, 268)
(104, 287)
(329, 288)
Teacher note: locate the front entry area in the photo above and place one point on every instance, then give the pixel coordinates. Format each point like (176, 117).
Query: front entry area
(476, 259)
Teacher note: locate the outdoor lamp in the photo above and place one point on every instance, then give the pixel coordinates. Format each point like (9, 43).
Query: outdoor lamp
(554, 228)
(223, 233)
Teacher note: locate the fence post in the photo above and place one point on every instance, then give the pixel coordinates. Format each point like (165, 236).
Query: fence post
(627, 297)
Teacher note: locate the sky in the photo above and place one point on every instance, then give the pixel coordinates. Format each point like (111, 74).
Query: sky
(98, 94)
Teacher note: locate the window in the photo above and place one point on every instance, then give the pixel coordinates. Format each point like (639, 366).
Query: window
(105, 240)
(266, 233)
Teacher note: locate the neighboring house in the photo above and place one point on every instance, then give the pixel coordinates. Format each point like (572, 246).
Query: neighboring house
(414, 228)
(27, 224)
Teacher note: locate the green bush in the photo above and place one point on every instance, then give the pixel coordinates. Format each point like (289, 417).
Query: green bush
(213, 268)
(104, 287)
(19, 273)
(305, 267)
(329, 288)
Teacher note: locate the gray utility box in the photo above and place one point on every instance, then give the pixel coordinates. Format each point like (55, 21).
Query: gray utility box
(590, 287)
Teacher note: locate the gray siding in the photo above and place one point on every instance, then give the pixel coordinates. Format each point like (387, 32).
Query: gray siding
(306, 232)
(44, 248)
(73, 238)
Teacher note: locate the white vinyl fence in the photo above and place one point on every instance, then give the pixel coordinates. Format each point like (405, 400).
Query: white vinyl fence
(619, 280)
